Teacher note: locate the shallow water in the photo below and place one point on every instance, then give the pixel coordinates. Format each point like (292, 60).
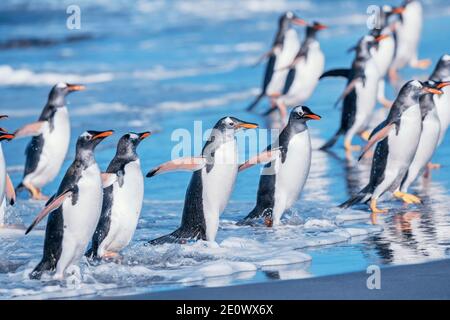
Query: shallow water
(160, 66)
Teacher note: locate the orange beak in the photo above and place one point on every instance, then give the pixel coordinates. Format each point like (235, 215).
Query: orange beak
(247, 125)
(75, 87)
(381, 37)
(103, 134)
(320, 26)
(299, 22)
(433, 90)
(144, 135)
(443, 84)
(398, 10)
(6, 136)
(312, 116)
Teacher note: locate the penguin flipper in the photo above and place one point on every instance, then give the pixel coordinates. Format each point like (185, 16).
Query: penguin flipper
(44, 265)
(10, 192)
(53, 204)
(332, 140)
(183, 164)
(31, 129)
(263, 157)
(255, 102)
(378, 134)
(336, 73)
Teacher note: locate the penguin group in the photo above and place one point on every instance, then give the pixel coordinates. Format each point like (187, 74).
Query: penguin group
(95, 214)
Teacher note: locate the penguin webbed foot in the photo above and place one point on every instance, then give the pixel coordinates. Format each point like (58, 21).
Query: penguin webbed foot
(407, 197)
(375, 209)
(421, 64)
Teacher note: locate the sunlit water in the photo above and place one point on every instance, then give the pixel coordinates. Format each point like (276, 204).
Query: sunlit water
(161, 65)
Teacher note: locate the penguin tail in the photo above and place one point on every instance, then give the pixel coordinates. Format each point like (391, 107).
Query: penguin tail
(256, 213)
(91, 254)
(43, 266)
(181, 236)
(256, 101)
(332, 140)
(361, 197)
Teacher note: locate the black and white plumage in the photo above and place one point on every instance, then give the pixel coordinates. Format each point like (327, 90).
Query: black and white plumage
(284, 175)
(359, 97)
(441, 73)
(74, 210)
(211, 184)
(429, 137)
(397, 140)
(47, 149)
(284, 48)
(7, 194)
(122, 201)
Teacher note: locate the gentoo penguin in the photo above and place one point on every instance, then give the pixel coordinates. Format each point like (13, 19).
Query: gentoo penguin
(385, 50)
(74, 209)
(51, 136)
(398, 138)
(429, 137)
(211, 184)
(360, 94)
(284, 175)
(442, 74)
(407, 35)
(122, 201)
(304, 71)
(7, 194)
(283, 51)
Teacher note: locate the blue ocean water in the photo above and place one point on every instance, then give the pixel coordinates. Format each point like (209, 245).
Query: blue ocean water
(162, 65)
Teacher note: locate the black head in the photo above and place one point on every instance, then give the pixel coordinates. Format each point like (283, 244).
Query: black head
(289, 18)
(313, 28)
(303, 114)
(6, 136)
(366, 43)
(88, 140)
(435, 86)
(414, 89)
(442, 70)
(232, 124)
(61, 90)
(128, 143)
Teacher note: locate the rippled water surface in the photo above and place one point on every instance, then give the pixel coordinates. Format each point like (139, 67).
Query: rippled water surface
(161, 65)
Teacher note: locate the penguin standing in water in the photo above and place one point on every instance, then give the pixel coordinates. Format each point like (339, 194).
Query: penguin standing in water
(51, 136)
(284, 175)
(398, 138)
(407, 35)
(385, 50)
(7, 194)
(429, 137)
(74, 209)
(304, 71)
(284, 49)
(442, 74)
(122, 201)
(211, 184)
(360, 94)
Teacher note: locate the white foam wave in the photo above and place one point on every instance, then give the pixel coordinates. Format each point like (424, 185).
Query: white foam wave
(25, 77)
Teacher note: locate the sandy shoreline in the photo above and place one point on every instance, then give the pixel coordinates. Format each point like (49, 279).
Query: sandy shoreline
(420, 281)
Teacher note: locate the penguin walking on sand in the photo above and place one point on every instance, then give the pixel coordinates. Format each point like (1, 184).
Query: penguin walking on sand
(284, 48)
(74, 209)
(359, 97)
(288, 162)
(211, 184)
(122, 201)
(47, 149)
(407, 34)
(397, 140)
(7, 194)
(429, 137)
(304, 72)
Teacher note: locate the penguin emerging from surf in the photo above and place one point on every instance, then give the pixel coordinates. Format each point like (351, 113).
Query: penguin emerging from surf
(407, 35)
(211, 184)
(283, 51)
(359, 97)
(74, 209)
(7, 194)
(122, 201)
(397, 140)
(429, 137)
(385, 50)
(304, 72)
(288, 163)
(47, 149)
